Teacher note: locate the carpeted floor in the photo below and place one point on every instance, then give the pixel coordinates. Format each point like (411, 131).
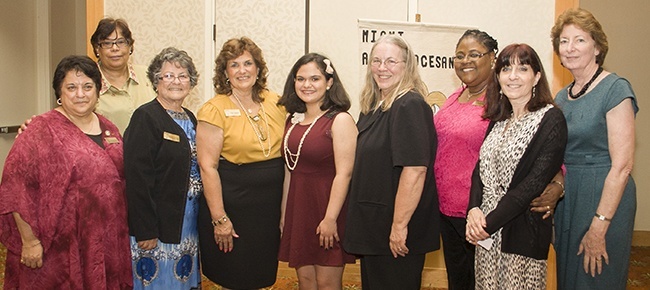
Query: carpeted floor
(638, 278)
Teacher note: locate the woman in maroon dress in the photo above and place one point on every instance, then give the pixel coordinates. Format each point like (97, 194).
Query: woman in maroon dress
(63, 210)
(318, 148)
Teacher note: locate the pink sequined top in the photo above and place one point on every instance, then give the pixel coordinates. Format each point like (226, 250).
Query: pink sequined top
(461, 131)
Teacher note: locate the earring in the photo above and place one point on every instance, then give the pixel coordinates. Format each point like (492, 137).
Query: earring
(227, 80)
(500, 95)
(533, 93)
(97, 55)
(131, 52)
(328, 88)
(58, 101)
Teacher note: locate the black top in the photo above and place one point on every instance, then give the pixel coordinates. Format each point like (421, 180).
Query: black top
(157, 168)
(525, 232)
(402, 136)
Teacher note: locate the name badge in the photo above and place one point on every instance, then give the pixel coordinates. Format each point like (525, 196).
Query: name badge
(232, 112)
(111, 140)
(171, 137)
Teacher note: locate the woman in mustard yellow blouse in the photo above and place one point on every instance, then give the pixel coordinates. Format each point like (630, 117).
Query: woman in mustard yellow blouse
(238, 143)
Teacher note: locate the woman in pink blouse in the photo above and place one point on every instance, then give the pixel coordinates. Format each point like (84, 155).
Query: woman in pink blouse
(461, 131)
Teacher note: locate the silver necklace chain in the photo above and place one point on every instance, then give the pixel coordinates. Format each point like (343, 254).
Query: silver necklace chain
(471, 95)
(256, 129)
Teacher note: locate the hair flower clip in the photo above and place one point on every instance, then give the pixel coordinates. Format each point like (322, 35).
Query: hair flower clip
(328, 69)
(297, 118)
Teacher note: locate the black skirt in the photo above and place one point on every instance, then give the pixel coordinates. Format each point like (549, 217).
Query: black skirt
(252, 195)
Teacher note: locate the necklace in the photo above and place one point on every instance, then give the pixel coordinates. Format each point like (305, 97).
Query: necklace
(259, 131)
(471, 95)
(586, 86)
(288, 156)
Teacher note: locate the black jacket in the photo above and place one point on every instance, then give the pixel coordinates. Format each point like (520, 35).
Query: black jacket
(157, 168)
(525, 232)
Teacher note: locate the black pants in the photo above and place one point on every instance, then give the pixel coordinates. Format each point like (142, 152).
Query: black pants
(459, 254)
(386, 272)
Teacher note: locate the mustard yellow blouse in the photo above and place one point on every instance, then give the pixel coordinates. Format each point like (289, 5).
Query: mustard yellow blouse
(240, 142)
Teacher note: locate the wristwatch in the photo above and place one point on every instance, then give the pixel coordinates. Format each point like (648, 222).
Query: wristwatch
(220, 221)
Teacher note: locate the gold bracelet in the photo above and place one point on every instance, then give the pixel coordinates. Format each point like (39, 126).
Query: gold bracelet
(220, 221)
(602, 217)
(31, 246)
(561, 185)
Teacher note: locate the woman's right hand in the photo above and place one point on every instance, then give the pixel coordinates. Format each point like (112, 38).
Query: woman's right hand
(224, 234)
(32, 255)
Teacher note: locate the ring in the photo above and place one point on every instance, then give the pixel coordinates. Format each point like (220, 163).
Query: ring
(548, 208)
(548, 211)
(471, 231)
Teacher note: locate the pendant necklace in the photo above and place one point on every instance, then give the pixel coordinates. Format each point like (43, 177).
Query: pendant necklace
(586, 86)
(256, 128)
(288, 156)
(471, 95)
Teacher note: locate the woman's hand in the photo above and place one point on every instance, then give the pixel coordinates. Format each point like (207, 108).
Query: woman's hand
(148, 244)
(327, 233)
(547, 201)
(397, 244)
(24, 125)
(224, 234)
(475, 228)
(32, 254)
(593, 245)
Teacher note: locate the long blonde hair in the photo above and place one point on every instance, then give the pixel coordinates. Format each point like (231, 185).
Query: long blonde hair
(411, 81)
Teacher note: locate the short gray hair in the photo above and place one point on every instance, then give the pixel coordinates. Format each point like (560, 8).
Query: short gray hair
(175, 56)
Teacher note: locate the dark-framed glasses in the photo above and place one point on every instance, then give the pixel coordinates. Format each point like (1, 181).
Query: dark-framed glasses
(121, 43)
(472, 56)
(170, 77)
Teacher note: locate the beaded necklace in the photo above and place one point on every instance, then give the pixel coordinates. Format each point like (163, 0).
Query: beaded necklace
(257, 129)
(288, 156)
(586, 86)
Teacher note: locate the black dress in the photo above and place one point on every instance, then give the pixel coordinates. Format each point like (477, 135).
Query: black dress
(387, 141)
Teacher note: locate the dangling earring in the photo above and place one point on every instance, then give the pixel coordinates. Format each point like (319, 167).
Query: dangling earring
(500, 95)
(58, 101)
(533, 93)
(227, 80)
(131, 51)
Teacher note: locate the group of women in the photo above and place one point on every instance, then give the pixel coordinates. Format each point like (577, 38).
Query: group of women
(257, 177)
(506, 148)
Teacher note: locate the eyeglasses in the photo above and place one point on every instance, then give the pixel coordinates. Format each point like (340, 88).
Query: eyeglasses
(121, 43)
(472, 56)
(388, 63)
(169, 77)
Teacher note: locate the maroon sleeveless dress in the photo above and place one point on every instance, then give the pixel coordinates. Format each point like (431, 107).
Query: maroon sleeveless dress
(308, 197)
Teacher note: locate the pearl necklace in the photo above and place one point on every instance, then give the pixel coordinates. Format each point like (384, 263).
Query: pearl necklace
(288, 156)
(256, 129)
(586, 86)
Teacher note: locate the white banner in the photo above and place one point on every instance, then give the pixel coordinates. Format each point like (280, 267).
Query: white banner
(434, 46)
